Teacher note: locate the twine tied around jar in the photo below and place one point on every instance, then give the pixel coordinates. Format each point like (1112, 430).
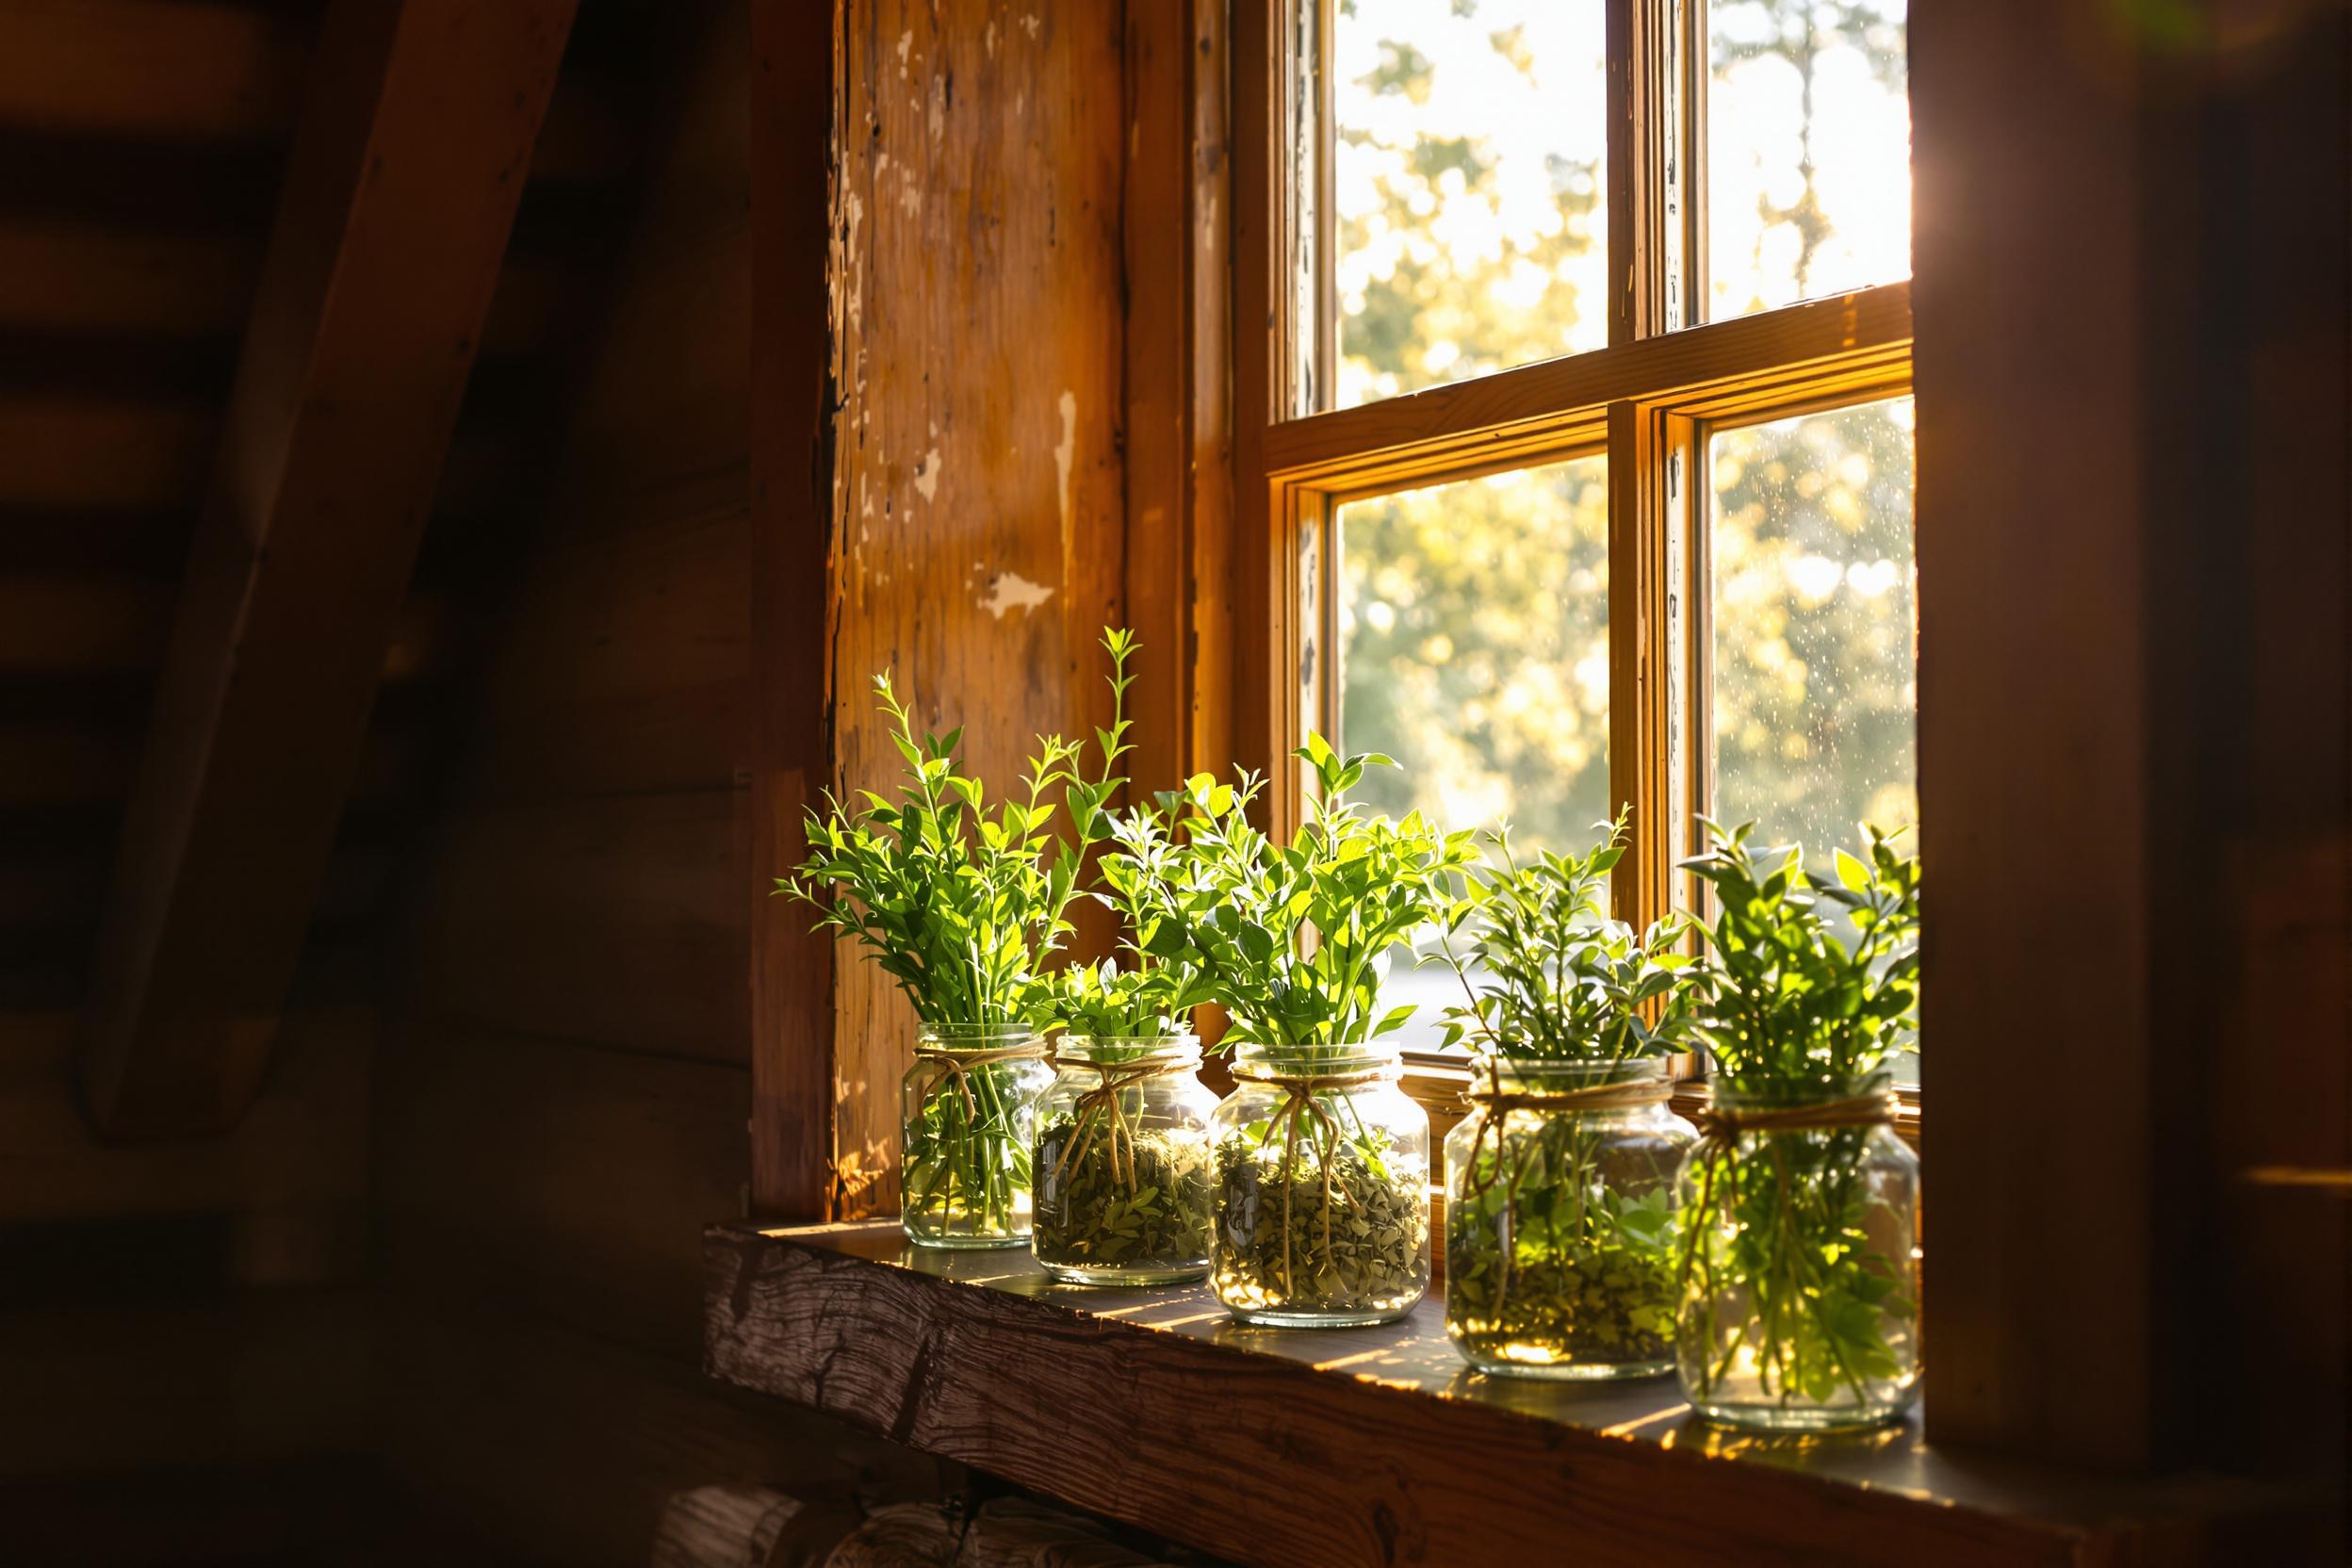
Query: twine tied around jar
(947, 1063)
(1102, 1100)
(1498, 1103)
(1720, 1128)
(1298, 1102)
(1495, 1104)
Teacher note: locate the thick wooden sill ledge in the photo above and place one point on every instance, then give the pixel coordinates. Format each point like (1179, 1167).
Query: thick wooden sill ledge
(1299, 1449)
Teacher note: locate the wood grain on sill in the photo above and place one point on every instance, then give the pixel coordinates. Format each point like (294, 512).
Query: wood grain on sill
(1371, 1445)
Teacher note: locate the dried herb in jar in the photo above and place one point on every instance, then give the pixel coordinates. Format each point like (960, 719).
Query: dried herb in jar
(1318, 1227)
(1596, 1287)
(1560, 1224)
(1141, 1203)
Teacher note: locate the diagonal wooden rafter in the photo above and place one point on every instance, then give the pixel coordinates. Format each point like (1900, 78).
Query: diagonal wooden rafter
(414, 141)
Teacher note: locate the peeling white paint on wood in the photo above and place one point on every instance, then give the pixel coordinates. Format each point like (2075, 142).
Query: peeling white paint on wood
(1065, 452)
(1011, 591)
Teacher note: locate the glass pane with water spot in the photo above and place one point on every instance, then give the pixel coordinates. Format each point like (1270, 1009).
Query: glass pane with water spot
(1469, 147)
(1815, 629)
(1473, 649)
(1808, 149)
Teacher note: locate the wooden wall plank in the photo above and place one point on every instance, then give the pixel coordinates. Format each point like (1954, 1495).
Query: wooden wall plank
(2144, 342)
(667, 393)
(54, 762)
(220, 72)
(544, 1177)
(58, 276)
(106, 623)
(355, 359)
(563, 1448)
(299, 1146)
(615, 920)
(1268, 338)
(272, 1375)
(330, 1510)
(2011, 1243)
(103, 454)
(81, 623)
(2248, 323)
(793, 523)
(977, 544)
(540, 1192)
(623, 660)
(1177, 337)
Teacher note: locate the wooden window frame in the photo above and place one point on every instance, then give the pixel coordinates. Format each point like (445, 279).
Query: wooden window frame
(2079, 364)
(1648, 401)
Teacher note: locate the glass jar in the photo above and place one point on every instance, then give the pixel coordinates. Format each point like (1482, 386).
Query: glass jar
(970, 1104)
(1560, 1219)
(1322, 1188)
(1123, 1162)
(1800, 1283)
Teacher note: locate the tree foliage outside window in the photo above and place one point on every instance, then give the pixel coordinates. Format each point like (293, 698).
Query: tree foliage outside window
(1808, 167)
(1815, 677)
(1473, 619)
(1474, 626)
(1469, 148)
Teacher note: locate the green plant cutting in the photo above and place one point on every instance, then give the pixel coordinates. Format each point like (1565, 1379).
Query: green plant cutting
(1782, 1280)
(1294, 942)
(1122, 1182)
(1560, 1248)
(963, 904)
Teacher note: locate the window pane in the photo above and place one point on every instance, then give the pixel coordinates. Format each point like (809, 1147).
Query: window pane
(1816, 663)
(1468, 158)
(1473, 649)
(1809, 172)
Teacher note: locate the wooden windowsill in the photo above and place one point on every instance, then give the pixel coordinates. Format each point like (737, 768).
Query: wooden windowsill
(1366, 1446)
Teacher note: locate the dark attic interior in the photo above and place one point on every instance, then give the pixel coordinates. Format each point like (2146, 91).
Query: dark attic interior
(564, 1001)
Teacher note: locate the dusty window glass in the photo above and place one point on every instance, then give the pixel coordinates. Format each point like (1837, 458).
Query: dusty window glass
(1469, 145)
(1473, 649)
(1816, 628)
(1808, 143)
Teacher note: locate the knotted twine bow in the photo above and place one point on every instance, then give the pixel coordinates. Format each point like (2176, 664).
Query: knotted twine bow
(1495, 1104)
(1722, 1127)
(1102, 1100)
(1298, 1092)
(1720, 1131)
(949, 1063)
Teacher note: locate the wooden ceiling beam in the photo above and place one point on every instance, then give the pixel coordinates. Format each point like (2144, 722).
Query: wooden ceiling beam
(415, 141)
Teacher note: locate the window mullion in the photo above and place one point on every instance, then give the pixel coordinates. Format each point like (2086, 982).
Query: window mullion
(1690, 81)
(1646, 42)
(1651, 698)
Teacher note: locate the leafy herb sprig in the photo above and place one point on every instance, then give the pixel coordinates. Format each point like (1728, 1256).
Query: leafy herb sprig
(1558, 1232)
(1145, 992)
(961, 906)
(1783, 1269)
(1547, 974)
(1295, 939)
(1781, 998)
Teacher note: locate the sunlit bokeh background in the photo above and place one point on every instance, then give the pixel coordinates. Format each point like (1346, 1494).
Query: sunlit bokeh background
(1467, 170)
(1808, 149)
(1473, 631)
